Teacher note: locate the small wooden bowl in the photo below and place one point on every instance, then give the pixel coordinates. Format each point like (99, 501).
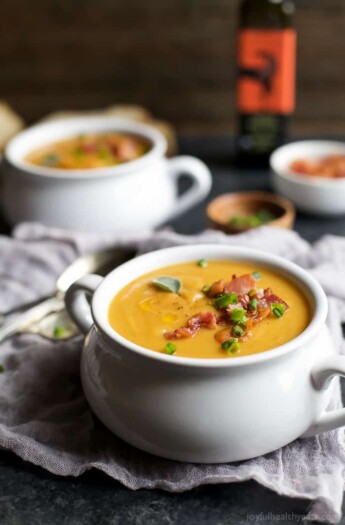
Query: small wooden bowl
(228, 205)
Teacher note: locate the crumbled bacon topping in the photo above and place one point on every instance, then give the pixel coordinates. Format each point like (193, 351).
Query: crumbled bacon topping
(253, 304)
(216, 288)
(240, 285)
(205, 320)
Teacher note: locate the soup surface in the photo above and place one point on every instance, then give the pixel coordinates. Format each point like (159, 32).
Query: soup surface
(330, 167)
(90, 151)
(222, 309)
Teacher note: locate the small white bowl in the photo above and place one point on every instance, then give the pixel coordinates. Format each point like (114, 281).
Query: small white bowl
(310, 194)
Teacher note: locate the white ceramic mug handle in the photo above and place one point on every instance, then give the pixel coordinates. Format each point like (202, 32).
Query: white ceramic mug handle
(201, 182)
(321, 376)
(77, 303)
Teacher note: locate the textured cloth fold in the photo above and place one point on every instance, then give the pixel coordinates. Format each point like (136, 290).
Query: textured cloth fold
(45, 419)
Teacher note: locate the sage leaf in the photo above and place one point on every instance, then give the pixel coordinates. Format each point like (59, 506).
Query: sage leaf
(168, 284)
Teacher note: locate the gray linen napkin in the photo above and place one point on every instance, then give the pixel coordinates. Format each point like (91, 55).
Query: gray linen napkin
(45, 419)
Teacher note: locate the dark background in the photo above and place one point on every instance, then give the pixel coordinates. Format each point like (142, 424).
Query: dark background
(176, 57)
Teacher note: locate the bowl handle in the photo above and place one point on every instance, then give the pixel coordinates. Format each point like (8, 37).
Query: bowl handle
(321, 377)
(77, 300)
(201, 182)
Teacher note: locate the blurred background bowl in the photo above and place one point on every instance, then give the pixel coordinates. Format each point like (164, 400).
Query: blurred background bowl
(310, 193)
(137, 195)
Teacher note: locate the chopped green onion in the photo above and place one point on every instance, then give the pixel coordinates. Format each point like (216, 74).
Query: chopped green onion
(231, 346)
(278, 309)
(238, 330)
(78, 152)
(252, 293)
(2, 369)
(105, 154)
(205, 288)
(235, 348)
(170, 349)
(255, 219)
(203, 263)
(256, 275)
(168, 284)
(253, 304)
(58, 332)
(225, 299)
(265, 216)
(237, 220)
(228, 344)
(237, 315)
(51, 159)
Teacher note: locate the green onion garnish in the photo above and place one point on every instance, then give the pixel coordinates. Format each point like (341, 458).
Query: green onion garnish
(203, 263)
(225, 299)
(105, 154)
(51, 159)
(231, 346)
(255, 219)
(237, 220)
(2, 369)
(253, 304)
(78, 152)
(265, 216)
(228, 344)
(238, 330)
(237, 315)
(170, 349)
(256, 275)
(205, 288)
(235, 348)
(58, 332)
(278, 309)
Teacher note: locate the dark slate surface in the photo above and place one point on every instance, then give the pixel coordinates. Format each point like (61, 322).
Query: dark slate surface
(31, 496)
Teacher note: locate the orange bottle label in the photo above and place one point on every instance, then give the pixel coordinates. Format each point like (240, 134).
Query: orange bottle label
(267, 64)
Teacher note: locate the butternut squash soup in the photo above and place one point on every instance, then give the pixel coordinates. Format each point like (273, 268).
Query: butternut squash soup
(90, 151)
(210, 309)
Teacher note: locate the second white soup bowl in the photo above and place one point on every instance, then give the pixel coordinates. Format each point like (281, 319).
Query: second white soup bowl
(205, 410)
(136, 195)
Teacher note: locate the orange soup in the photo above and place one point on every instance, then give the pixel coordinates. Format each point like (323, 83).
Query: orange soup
(210, 309)
(90, 151)
(330, 167)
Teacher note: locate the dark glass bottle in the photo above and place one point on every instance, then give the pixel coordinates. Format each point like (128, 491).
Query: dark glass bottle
(266, 60)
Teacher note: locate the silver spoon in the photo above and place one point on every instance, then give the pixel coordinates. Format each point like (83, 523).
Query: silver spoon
(57, 326)
(101, 262)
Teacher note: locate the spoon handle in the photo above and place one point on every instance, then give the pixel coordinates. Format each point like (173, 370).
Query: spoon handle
(50, 305)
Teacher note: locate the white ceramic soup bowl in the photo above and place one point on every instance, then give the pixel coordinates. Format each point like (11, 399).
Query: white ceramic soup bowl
(311, 194)
(140, 194)
(205, 410)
